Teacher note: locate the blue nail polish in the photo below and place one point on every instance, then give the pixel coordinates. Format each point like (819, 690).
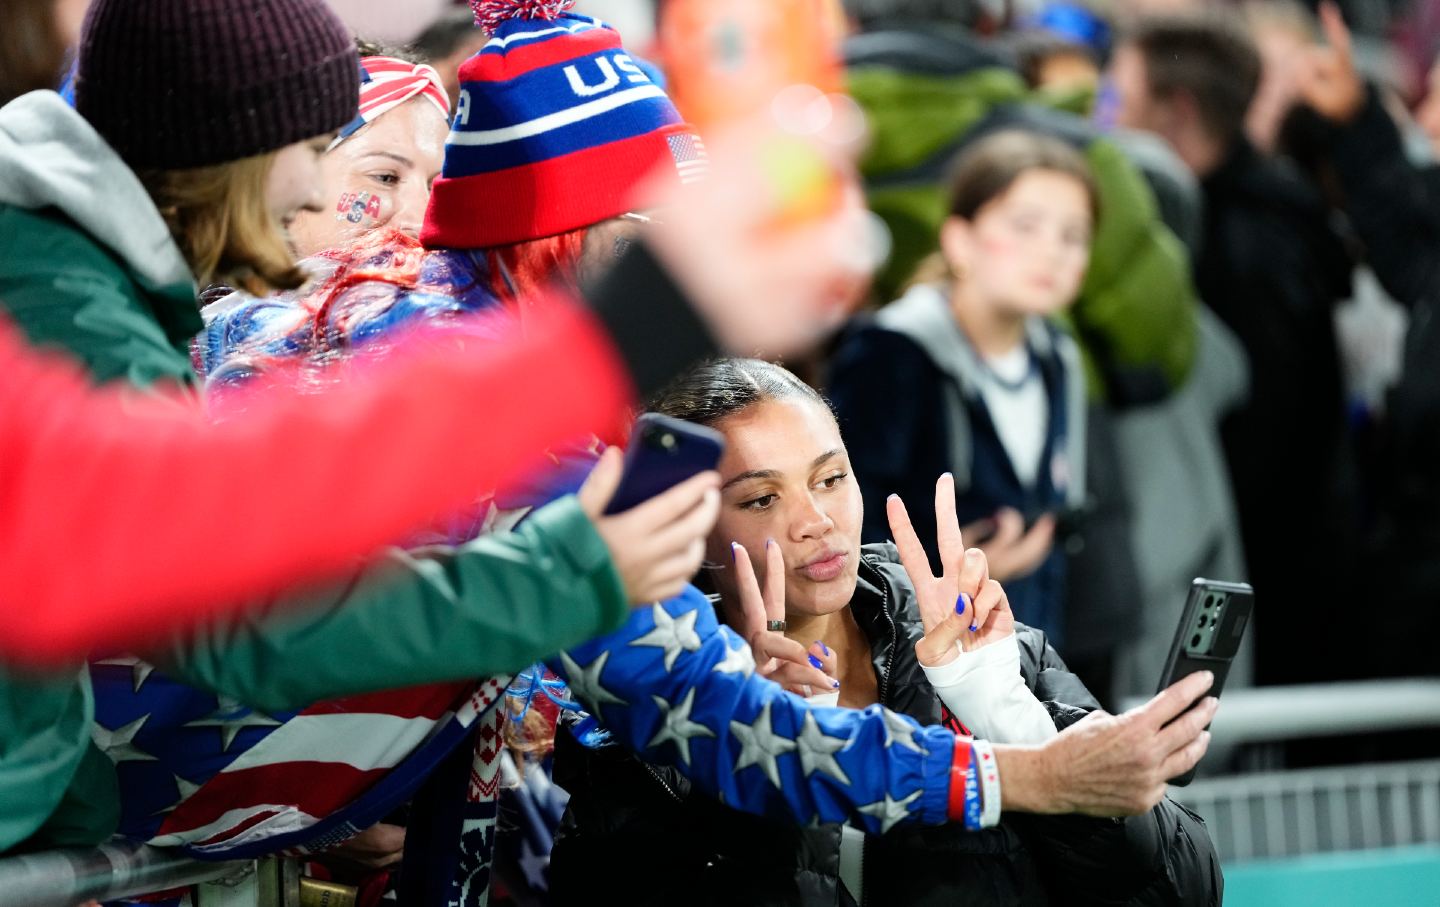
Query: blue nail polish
(974, 627)
(733, 555)
(824, 648)
(819, 665)
(962, 603)
(836, 685)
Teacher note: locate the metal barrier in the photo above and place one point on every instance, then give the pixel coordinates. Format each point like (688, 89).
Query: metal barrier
(1269, 714)
(1311, 811)
(1251, 816)
(1280, 814)
(64, 878)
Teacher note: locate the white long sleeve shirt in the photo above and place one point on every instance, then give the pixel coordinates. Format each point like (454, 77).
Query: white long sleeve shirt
(985, 690)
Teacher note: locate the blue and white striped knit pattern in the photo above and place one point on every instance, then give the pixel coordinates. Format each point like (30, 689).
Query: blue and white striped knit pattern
(550, 111)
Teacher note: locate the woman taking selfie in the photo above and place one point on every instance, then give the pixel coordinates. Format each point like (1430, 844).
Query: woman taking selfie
(941, 649)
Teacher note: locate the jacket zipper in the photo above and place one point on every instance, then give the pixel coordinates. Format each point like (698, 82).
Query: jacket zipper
(662, 782)
(894, 640)
(884, 688)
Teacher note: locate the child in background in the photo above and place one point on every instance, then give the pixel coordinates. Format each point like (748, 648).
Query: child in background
(968, 374)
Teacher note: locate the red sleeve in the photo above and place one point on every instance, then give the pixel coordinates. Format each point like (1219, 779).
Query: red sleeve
(119, 518)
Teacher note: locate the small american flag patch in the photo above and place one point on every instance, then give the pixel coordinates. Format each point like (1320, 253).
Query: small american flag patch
(691, 161)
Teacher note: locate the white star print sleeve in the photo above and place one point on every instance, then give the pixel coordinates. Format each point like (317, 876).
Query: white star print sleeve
(676, 687)
(986, 691)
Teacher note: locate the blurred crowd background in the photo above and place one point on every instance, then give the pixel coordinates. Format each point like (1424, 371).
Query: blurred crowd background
(1242, 385)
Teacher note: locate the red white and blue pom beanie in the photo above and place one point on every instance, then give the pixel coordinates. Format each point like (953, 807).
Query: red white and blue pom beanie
(555, 127)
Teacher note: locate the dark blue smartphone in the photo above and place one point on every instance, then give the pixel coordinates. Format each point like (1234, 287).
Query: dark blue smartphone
(663, 452)
(1211, 627)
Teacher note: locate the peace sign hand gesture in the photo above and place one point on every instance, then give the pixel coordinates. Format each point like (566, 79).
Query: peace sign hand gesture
(802, 671)
(963, 604)
(1326, 75)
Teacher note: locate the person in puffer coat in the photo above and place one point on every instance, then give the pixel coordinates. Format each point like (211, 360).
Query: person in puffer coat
(887, 629)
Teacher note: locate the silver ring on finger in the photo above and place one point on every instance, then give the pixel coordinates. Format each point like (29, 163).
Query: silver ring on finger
(776, 625)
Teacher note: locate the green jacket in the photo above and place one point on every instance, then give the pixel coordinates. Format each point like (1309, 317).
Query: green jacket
(88, 266)
(928, 92)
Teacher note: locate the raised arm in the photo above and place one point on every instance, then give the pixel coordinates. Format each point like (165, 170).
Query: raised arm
(1393, 204)
(97, 485)
(676, 687)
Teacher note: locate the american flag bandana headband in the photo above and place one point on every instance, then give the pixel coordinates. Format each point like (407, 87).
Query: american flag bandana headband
(386, 83)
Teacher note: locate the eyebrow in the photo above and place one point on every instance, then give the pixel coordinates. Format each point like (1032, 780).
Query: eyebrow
(773, 473)
(400, 159)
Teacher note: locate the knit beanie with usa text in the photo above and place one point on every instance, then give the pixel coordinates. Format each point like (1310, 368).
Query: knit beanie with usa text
(555, 128)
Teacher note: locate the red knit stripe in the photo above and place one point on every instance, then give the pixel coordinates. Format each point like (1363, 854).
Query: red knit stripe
(545, 198)
(498, 67)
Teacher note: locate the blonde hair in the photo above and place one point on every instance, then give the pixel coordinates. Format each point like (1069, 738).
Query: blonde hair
(223, 226)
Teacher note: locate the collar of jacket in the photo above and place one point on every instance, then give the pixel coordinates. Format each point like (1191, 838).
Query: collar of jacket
(923, 316)
(51, 157)
(873, 606)
(885, 609)
(1273, 183)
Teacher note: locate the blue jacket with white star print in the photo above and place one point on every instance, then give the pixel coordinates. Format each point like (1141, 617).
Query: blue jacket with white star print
(683, 846)
(672, 684)
(677, 687)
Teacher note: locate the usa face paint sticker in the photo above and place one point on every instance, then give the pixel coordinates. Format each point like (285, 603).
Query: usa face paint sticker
(356, 206)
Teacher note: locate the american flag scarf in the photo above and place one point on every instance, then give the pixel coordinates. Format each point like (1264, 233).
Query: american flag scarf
(221, 781)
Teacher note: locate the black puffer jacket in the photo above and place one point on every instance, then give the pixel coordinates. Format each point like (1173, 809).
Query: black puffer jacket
(1273, 269)
(640, 832)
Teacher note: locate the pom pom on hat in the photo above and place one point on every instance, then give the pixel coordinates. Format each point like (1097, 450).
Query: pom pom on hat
(490, 14)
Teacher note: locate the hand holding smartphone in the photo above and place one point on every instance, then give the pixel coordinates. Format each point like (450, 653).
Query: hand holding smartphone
(654, 507)
(663, 452)
(1211, 628)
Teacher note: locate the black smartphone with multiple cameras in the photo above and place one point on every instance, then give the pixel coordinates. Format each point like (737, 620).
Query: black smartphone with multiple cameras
(1211, 628)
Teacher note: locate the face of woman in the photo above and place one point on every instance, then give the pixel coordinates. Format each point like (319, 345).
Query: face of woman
(293, 184)
(379, 176)
(1027, 249)
(787, 477)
